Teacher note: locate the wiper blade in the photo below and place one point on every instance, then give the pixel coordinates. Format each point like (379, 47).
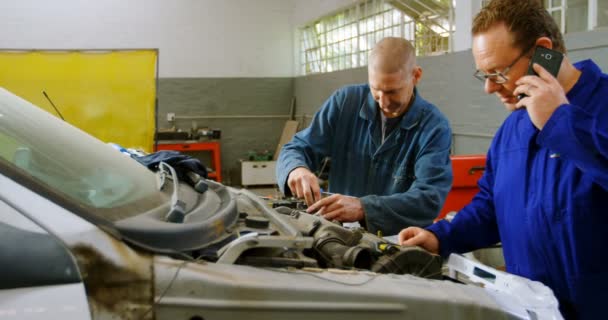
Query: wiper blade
(177, 212)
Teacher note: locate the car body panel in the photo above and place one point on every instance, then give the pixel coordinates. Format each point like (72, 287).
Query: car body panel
(67, 301)
(118, 279)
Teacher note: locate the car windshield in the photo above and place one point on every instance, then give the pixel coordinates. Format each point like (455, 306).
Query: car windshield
(81, 168)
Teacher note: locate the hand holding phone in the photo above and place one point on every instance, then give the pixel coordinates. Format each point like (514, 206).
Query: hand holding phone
(549, 59)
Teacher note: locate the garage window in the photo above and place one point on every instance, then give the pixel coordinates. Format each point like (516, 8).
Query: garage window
(578, 15)
(343, 40)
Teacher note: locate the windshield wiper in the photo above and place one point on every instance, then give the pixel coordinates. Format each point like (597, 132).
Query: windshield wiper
(177, 212)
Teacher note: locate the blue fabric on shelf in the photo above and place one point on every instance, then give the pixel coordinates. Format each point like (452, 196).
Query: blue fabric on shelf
(180, 162)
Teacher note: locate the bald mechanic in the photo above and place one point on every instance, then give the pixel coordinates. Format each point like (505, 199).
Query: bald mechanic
(389, 149)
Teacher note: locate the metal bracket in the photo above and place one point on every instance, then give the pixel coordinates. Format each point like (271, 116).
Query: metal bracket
(232, 251)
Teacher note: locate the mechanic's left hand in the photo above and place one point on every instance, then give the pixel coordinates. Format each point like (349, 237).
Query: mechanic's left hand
(544, 95)
(338, 207)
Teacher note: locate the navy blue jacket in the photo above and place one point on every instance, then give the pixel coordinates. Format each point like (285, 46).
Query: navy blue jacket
(544, 194)
(402, 182)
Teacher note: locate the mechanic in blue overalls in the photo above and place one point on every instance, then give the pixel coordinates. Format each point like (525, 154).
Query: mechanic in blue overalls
(389, 149)
(544, 193)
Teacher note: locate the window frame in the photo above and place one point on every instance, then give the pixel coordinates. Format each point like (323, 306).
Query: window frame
(343, 40)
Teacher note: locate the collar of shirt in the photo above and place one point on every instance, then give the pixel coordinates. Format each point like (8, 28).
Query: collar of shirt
(586, 84)
(582, 90)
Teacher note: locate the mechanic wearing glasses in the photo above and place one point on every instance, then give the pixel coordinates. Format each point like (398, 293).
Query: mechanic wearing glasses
(389, 149)
(544, 193)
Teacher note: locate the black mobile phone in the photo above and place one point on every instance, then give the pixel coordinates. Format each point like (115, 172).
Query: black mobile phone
(549, 59)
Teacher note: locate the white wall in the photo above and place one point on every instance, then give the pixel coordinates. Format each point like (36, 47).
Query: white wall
(196, 38)
(465, 11)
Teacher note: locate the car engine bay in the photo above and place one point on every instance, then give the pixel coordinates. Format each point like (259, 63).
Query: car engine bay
(235, 226)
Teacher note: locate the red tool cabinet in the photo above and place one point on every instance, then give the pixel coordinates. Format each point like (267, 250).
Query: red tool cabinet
(467, 169)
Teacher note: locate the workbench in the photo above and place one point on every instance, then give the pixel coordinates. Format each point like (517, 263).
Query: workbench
(185, 146)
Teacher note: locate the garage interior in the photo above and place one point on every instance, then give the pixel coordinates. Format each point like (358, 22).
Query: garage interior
(229, 82)
(244, 74)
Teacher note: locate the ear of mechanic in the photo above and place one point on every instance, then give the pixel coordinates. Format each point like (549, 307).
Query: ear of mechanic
(389, 149)
(544, 193)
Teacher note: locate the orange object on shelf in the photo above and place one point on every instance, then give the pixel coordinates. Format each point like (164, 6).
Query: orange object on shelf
(212, 146)
(467, 169)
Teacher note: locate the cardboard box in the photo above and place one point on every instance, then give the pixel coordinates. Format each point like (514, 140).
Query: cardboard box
(258, 173)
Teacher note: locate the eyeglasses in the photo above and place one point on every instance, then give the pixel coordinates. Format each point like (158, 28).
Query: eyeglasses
(499, 77)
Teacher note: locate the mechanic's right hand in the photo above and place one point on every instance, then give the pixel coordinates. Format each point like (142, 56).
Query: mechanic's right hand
(414, 236)
(304, 184)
